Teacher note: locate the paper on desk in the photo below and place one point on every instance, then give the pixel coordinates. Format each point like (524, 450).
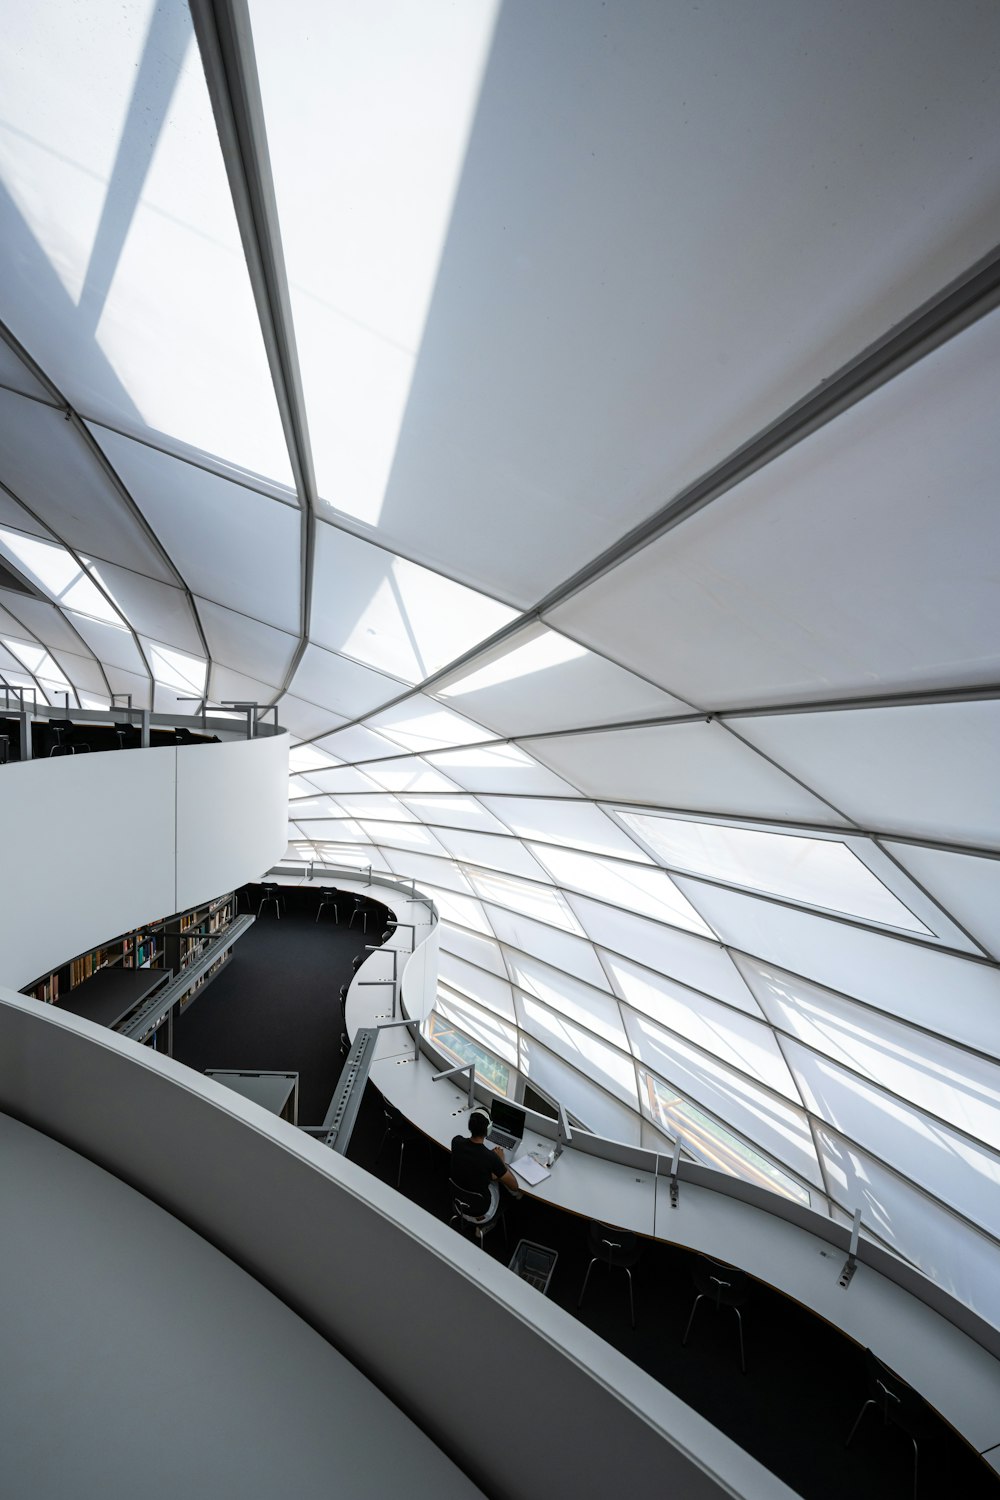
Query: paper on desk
(530, 1170)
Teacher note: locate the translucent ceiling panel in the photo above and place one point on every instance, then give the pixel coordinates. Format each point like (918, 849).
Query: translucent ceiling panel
(926, 770)
(957, 1086)
(693, 960)
(818, 872)
(140, 688)
(500, 768)
(387, 124)
(728, 1034)
(14, 514)
(540, 680)
(949, 1166)
(477, 950)
(304, 719)
(441, 873)
(422, 724)
(489, 1029)
(408, 774)
(889, 588)
(951, 1253)
(589, 1008)
(453, 907)
(181, 674)
(539, 901)
(57, 571)
(490, 990)
(246, 644)
(113, 645)
(333, 681)
(49, 467)
(649, 892)
(228, 542)
(969, 888)
(605, 1065)
(226, 686)
(392, 614)
(596, 1109)
(455, 812)
(779, 1130)
(358, 743)
(574, 824)
(15, 373)
(693, 765)
(134, 295)
(401, 835)
(374, 805)
(326, 831)
(954, 996)
(151, 608)
(493, 851)
(573, 955)
(44, 621)
(308, 758)
(342, 779)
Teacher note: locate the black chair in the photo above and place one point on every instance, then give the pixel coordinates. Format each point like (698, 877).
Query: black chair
(269, 893)
(63, 739)
(4, 749)
(898, 1403)
(328, 897)
(467, 1210)
(723, 1286)
(128, 737)
(613, 1248)
(360, 910)
(394, 1133)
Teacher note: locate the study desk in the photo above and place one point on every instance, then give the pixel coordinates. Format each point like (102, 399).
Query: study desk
(108, 995)
(959, 1377)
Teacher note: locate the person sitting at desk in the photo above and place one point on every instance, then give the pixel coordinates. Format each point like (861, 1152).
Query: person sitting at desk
(478, 1169)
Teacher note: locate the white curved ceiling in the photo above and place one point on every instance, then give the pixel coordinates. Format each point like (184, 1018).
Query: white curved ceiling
(439, 408)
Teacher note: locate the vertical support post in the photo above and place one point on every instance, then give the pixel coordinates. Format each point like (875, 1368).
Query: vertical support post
(144, 728)
(25, 726)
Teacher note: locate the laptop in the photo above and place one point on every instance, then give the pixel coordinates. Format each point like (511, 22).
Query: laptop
(507, 1129)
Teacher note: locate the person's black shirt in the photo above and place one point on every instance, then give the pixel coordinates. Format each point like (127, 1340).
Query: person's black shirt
(473, 1165)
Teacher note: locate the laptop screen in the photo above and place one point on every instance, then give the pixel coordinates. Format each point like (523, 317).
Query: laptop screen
(508, 1117)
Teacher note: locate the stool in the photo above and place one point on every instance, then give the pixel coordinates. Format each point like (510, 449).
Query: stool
(328, 898)
(360, 910)
(269, 892)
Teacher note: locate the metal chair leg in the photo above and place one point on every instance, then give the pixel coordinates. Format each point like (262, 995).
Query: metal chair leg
(583, 1289)
(739, 1320)
(694, 1309)
(399, 1172)
(870, 1402)
(914, 1442)
(631, 1296)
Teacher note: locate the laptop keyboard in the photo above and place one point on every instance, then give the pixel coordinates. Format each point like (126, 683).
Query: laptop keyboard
(502, 1138)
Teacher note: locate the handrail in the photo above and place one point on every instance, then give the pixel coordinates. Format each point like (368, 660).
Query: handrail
(238, 721)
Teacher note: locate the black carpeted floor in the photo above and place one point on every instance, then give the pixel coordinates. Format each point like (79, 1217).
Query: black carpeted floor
(277, 1006)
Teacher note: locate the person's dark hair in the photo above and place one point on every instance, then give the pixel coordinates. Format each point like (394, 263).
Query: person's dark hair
(479, 1123)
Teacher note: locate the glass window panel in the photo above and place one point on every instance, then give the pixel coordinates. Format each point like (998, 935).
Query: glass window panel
(572, 954)
(409, 774)
(422, 724)
(768, 1123)
(951, 1253)
(358, 744)
(574, 825)
(455, 812)
(728, 1034)
(391, 614)
(460, 1048)
(819, 872)
(309, 758)
(311, 807)
(708, 1141)
(607, 1066)
(958, 1086)
(488, 989)
(542, 902)
(176, 670)
(649, 892)
(304, 719)
(539, 681)
(328, 831)
(952, 1168)
(596, 1110)
(918, 769)
(493, 850)
(476, 950)
(968, 888)
(453, 907)
(491, 1030)
(59, 574)
(429, 871)
(692, 765)
(594, 1009)
(499, 768)
(906, 979)
(342, 779)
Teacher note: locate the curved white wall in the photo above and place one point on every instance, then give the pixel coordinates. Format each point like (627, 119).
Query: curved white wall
(96, 844)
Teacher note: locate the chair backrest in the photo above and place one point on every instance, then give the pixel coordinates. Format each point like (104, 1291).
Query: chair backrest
(609, 1243)
(897, 1401)
(724, 1284)
(467, 1202)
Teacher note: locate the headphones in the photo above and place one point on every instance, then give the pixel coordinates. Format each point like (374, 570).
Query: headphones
(485, 1115)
